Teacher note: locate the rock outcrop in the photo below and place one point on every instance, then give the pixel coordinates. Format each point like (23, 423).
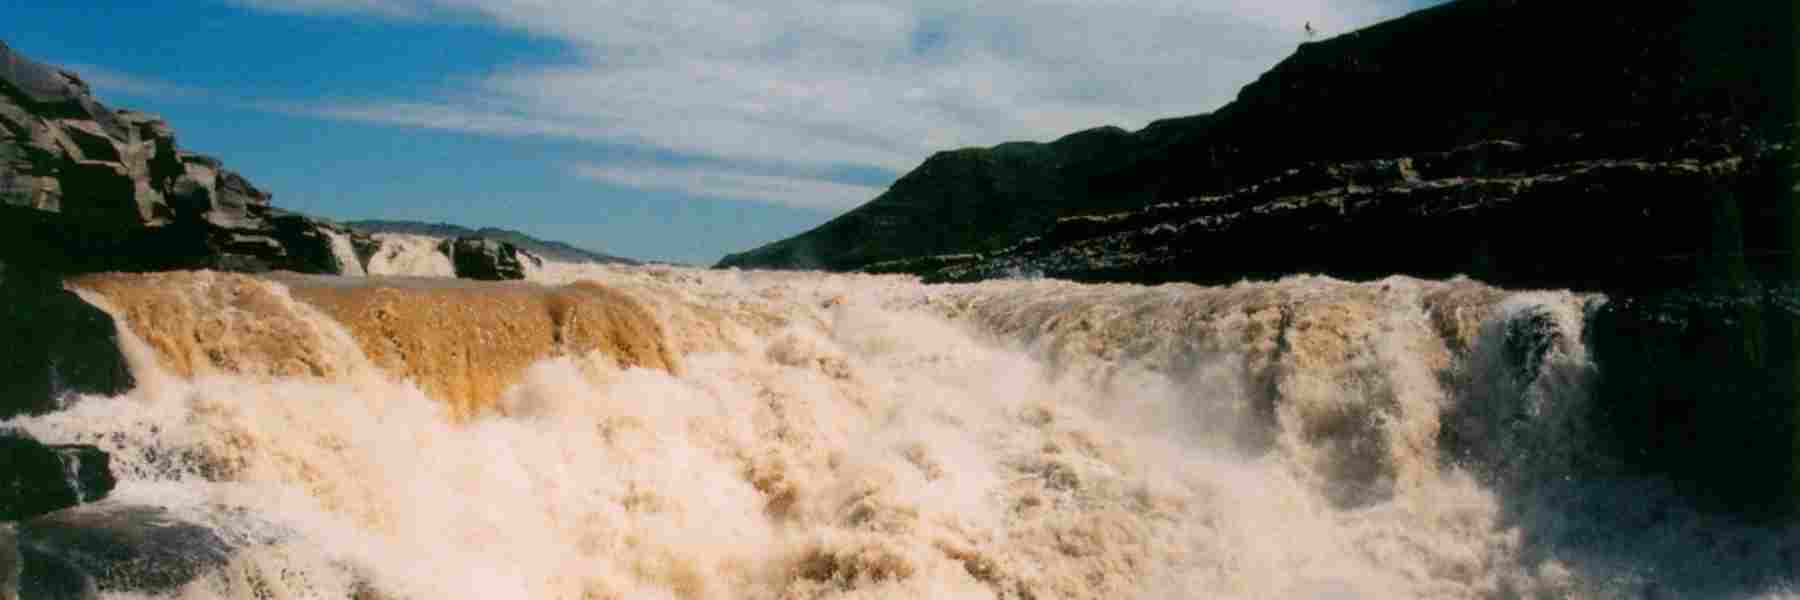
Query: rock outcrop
(1473, 88)
(486, 259)
(56, 345)
(36, 479)
(1492, 212)
(86, 188)
(119, 548)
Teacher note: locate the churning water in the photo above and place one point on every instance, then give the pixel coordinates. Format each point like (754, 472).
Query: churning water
(805, 435)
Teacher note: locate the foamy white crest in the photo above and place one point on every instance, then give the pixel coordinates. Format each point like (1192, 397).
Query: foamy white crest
(416, 255)
(846, 436)
(345, 253)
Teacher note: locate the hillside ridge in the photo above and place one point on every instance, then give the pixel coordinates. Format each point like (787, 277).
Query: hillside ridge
(1592, 81)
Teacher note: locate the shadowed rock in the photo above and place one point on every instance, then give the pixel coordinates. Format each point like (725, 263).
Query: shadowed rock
(42, 576)
(1701, 384)
(57, 345)
(1505, 92)
(1612, 225)
(118, 548)
(485, 259)
(36, 478)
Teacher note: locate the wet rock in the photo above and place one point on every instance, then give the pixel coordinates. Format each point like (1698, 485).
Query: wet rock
(1527, 341)
(36, 478)
(121, 548)
(486, 259)
(57, 345)
(1700, 385)
(43, 576)
(9, 564)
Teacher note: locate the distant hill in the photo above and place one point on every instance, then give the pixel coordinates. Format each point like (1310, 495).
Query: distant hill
(1669, 81)
(552, 250)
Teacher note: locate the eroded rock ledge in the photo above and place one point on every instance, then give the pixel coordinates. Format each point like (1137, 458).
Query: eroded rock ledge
(87, 188)
(1494, 211)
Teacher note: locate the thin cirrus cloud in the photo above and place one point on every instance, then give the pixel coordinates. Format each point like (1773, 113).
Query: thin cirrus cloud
(712, 182)
(113, 81)
(814, 84)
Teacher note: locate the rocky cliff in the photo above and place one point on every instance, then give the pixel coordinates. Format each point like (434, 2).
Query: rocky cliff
(1474, 89)
(1496, 211)
(87, 188)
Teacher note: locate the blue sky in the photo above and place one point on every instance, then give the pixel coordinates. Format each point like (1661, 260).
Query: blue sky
(661, 129)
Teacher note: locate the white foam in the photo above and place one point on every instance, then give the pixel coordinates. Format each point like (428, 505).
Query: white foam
(839, 436)
(415, 255)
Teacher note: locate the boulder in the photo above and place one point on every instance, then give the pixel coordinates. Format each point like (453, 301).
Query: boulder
(113, 548)
(36, 478)
(123, 547)
(486, 259)
(58, 345)
(43, 576)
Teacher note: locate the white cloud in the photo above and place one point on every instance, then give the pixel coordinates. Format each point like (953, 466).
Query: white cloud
(442, 116)
(864, 82)
(798, 192)
(389, 8)
(109, 81)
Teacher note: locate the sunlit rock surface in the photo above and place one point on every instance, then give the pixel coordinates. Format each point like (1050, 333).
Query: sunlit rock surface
(86, 188)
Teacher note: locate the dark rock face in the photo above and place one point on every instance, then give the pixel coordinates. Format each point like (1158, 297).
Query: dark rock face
(87, 188)
(1613, 225)
(57, 345)
(111, 548)
(36, 478)
(121, 547)
(966, 200)
(46, 576)
(485, 259)
(1702, 384)
(1473, 88)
